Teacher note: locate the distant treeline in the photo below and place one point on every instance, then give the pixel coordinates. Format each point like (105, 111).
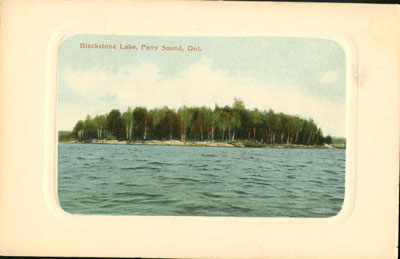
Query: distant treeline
(200, 124)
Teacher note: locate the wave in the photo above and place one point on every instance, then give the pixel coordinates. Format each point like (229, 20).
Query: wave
(329, 171)
(130, 184)
(240, 192)
(336, 199)
(208, 155)
(242, 182)
(140, 168)
(316, 181)
(138, 194)
(240, 208)
(208, 194)
(185, 179)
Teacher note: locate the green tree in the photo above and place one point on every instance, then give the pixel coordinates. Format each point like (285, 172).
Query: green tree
(255, 119)
(198, 123)
(238, 104)
(115, 124)
(238, 116)
(311, 129)
(328, 139)
(169, 123)
(298, 126)
(148, 122)
(223, 120)
(290, 129)
(139, 116)
(271, 123)
(319, 137)
(211, 121)
(78, 129)
(186, 121)
(156, 115)
(127, 118)
(227, 124)
(100, 122)
(234, 124)
(89, 128)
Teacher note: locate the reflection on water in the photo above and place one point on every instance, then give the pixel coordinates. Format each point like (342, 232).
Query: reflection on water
(200, 181)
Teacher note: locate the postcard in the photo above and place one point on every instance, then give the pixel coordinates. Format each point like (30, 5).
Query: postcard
(199, 129)
(201, 126)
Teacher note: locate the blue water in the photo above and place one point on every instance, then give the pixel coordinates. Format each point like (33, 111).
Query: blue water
(200, 181)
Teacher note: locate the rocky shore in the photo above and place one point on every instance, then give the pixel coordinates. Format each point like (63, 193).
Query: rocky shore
(254, 144)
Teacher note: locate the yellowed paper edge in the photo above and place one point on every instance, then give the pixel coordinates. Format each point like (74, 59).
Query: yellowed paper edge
(32, 223)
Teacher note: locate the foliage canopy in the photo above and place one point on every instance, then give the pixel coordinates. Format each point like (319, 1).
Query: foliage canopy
(202, 124)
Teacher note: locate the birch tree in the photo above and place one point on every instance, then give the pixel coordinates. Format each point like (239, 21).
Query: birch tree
(127, 118)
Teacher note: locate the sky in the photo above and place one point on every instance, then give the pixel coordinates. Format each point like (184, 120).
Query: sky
(297, 76)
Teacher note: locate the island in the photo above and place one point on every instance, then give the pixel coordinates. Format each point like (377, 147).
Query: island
(228, 126)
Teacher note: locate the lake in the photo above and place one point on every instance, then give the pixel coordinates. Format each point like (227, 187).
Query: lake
(200, 181)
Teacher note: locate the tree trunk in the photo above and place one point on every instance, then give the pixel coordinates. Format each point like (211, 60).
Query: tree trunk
(184, 133)
(312, 138)
(145, 127)
(309, 138)
(183, 128)
(270, 140)
(288, 138)
(130, 130)
(273, 137)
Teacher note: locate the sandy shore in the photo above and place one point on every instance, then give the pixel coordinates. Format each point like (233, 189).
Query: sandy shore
(166, 143)
(205, 144)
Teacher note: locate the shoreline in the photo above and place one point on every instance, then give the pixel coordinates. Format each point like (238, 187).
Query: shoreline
(240, 144)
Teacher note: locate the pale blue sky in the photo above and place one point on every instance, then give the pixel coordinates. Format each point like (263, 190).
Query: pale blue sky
(299, 76)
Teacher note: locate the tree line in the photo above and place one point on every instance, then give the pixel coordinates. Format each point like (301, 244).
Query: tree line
(227, 124)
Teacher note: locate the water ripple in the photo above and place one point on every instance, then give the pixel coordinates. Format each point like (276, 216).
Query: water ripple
(200, 181)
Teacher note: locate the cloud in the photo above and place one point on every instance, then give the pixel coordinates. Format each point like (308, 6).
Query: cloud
(102, 89)
(329, 77)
